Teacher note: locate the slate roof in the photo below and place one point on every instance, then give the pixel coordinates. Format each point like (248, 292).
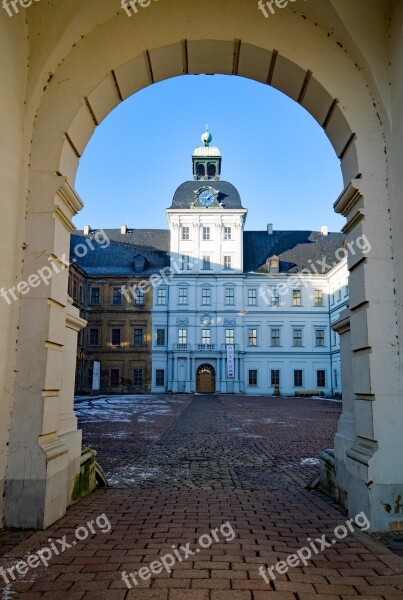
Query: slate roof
(117, 259)
(295, 249)
(228, 196)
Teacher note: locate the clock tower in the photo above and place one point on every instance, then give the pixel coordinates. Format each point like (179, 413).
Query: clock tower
(206, 219)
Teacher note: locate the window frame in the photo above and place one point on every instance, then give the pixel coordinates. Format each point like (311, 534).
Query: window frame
(158, 376)
(231, 296)
(253, 379)
(182, 335)
(252, 337)
(136, 330)
(227, 233)
(92, 290)
(162, 294)
(137, 370)
(297, 297)
(301, 372)
(119, 329)
(321, 378)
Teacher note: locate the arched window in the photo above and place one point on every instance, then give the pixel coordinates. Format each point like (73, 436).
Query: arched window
(212, 170)
(200, 170)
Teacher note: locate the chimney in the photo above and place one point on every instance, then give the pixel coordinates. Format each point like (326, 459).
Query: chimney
(270, 229)
(87, 230)
(324, 230)
(123, 229)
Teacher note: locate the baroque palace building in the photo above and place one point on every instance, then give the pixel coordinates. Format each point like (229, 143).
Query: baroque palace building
(234, 311)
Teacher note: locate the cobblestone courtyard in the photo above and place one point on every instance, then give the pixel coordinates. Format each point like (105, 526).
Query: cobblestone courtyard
(181, 467)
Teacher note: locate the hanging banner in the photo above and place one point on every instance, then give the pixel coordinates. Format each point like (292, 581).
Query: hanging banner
(230, 360)
(96, 376)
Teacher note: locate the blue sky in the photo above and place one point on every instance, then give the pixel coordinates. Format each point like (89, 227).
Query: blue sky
(273, 151)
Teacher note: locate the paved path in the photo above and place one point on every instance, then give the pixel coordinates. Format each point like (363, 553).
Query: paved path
(212, 499)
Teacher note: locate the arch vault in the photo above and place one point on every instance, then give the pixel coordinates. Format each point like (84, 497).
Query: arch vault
(69, 66)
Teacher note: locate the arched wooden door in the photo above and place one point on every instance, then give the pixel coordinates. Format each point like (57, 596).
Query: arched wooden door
(205, 379)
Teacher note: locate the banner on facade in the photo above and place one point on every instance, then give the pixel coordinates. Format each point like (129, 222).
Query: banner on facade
(96, 376)
(230, 360)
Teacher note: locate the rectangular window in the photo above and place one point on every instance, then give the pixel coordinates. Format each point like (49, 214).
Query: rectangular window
(90, 376)
(206, 233)
(321, 378)
(297, 337)
(185, 262)
(159, 377)
(346, 291)
(229, 296)
(185, 233)
(117, 295)
(75, 289)
(139, 337)
(139, 297)
(252, 297)
(206, 336)
(336, 378)
(296, 298)
(160, 337)
(206, 296)
(138, 377)
(182, 336)
(298, 378)
(229, 336)
(227, 263)
(275, 297)
(275, 337)
(252, 337)
(115, 377)
(227, 233)
(318, 298)
(95, 296)
(253, 377)
(335, 338)
(275, 377)
(162, 297)
(115, 337)
(206, 263)
(319, 337)
(94, 337)
(183, 295)
(81, 293)
(339, 295)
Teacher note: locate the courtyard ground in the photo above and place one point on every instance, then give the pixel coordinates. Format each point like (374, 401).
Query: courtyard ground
(195, 471)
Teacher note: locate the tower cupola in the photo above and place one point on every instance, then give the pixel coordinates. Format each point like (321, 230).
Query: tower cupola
(206, 160)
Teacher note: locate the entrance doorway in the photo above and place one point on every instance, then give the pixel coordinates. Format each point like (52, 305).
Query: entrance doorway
(205, 380)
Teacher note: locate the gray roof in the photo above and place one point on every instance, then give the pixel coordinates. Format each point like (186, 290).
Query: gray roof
(117, 258)
(228, 196)
(296, 250)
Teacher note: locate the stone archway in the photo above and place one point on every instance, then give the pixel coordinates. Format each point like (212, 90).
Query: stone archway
(96, 63)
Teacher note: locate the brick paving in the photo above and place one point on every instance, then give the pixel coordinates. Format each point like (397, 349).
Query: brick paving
(221, 460)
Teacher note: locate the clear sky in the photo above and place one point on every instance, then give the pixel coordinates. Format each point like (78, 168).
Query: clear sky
(273, 151)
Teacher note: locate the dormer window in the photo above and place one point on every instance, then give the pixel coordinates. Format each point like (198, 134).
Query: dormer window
(139, 263)
(273, 264)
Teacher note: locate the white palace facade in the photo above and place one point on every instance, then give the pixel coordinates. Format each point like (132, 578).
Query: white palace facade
(245, 311)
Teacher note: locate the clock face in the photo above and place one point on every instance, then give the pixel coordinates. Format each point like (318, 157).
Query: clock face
(206, 197)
